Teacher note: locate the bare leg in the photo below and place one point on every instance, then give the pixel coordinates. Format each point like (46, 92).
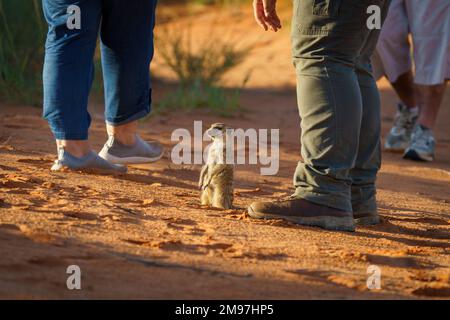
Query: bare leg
(430, 99)
(405, 89)
(399, 136)
(126, 134)
(124, 146)
(422, 145)
(77, 148)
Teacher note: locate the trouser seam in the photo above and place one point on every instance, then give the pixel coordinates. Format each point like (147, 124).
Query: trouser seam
(336, 130)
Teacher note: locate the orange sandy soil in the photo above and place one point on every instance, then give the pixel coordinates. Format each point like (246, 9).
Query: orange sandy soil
(144, 235)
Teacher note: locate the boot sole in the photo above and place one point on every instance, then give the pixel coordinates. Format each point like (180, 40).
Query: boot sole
(325, 222)
(368, 221)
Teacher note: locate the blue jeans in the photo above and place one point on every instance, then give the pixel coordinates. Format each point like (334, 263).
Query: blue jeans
(126, 39)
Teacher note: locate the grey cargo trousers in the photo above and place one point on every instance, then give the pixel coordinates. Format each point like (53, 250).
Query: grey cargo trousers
(338, 101)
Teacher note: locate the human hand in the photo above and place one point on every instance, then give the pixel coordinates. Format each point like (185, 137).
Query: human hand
(266, 14)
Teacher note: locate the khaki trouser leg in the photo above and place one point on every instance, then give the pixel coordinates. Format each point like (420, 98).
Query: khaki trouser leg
(334, 88)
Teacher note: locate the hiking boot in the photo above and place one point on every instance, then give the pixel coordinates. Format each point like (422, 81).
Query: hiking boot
(141, 152)
(399, 137)
(90, 163)
(422, 145)
(366, 218)
(303, 212)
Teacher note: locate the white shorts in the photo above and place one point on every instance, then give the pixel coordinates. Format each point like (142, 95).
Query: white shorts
(428, 22)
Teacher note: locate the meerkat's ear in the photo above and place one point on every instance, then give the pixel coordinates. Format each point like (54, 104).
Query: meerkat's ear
(216, 130)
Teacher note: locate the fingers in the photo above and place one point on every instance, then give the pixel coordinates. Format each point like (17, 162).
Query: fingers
(273, 21)
(266, 15)
(270, 13)
(258, 10)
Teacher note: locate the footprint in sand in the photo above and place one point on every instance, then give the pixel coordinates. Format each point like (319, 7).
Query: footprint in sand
(113, 218)
(180, 246)
(39, 235)
(237, 214)
(215, 248)
(122, 200)
(441, 291)
(181, 221)
(240, 251)
(432, 221)
(80, 215)
(397, 262)
(349, 281)
(440, 276)
(189, 226)
(8, 168)
(136, 241)
(185, 195)
(171, 225)
(245, 192)
(194, 248)
(12, 181)
(48, 261)
(196, 231)
(352, 282)
(4, 204)
(40, 162)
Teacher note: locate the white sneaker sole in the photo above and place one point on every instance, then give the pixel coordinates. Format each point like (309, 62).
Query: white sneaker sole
(412, 154)
(395, 148)
(129, 160)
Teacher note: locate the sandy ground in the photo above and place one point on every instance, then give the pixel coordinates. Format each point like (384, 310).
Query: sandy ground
(144, 235)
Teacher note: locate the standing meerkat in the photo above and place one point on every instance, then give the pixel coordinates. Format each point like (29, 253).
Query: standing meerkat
(216, 177)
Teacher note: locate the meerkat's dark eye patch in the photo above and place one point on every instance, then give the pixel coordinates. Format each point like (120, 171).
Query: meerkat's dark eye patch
(218, 126)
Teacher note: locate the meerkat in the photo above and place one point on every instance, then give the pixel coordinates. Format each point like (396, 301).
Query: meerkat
(216, 177)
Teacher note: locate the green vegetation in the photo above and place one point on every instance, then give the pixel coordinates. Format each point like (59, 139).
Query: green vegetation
(22, 37)
(199, 72)
(22, 34)
(208, 2)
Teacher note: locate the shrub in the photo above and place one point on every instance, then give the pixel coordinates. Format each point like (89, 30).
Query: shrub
(200, 71)
(22, 34)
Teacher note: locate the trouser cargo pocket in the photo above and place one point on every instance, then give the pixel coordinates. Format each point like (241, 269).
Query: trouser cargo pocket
(326, 8)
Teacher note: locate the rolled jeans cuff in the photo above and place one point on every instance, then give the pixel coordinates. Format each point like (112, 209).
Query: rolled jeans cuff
(60, 135)
(121, 121)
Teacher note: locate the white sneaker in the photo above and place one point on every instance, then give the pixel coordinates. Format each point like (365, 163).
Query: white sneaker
(141, 152)
(399, 137)
(422, 145)
(90, 163)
